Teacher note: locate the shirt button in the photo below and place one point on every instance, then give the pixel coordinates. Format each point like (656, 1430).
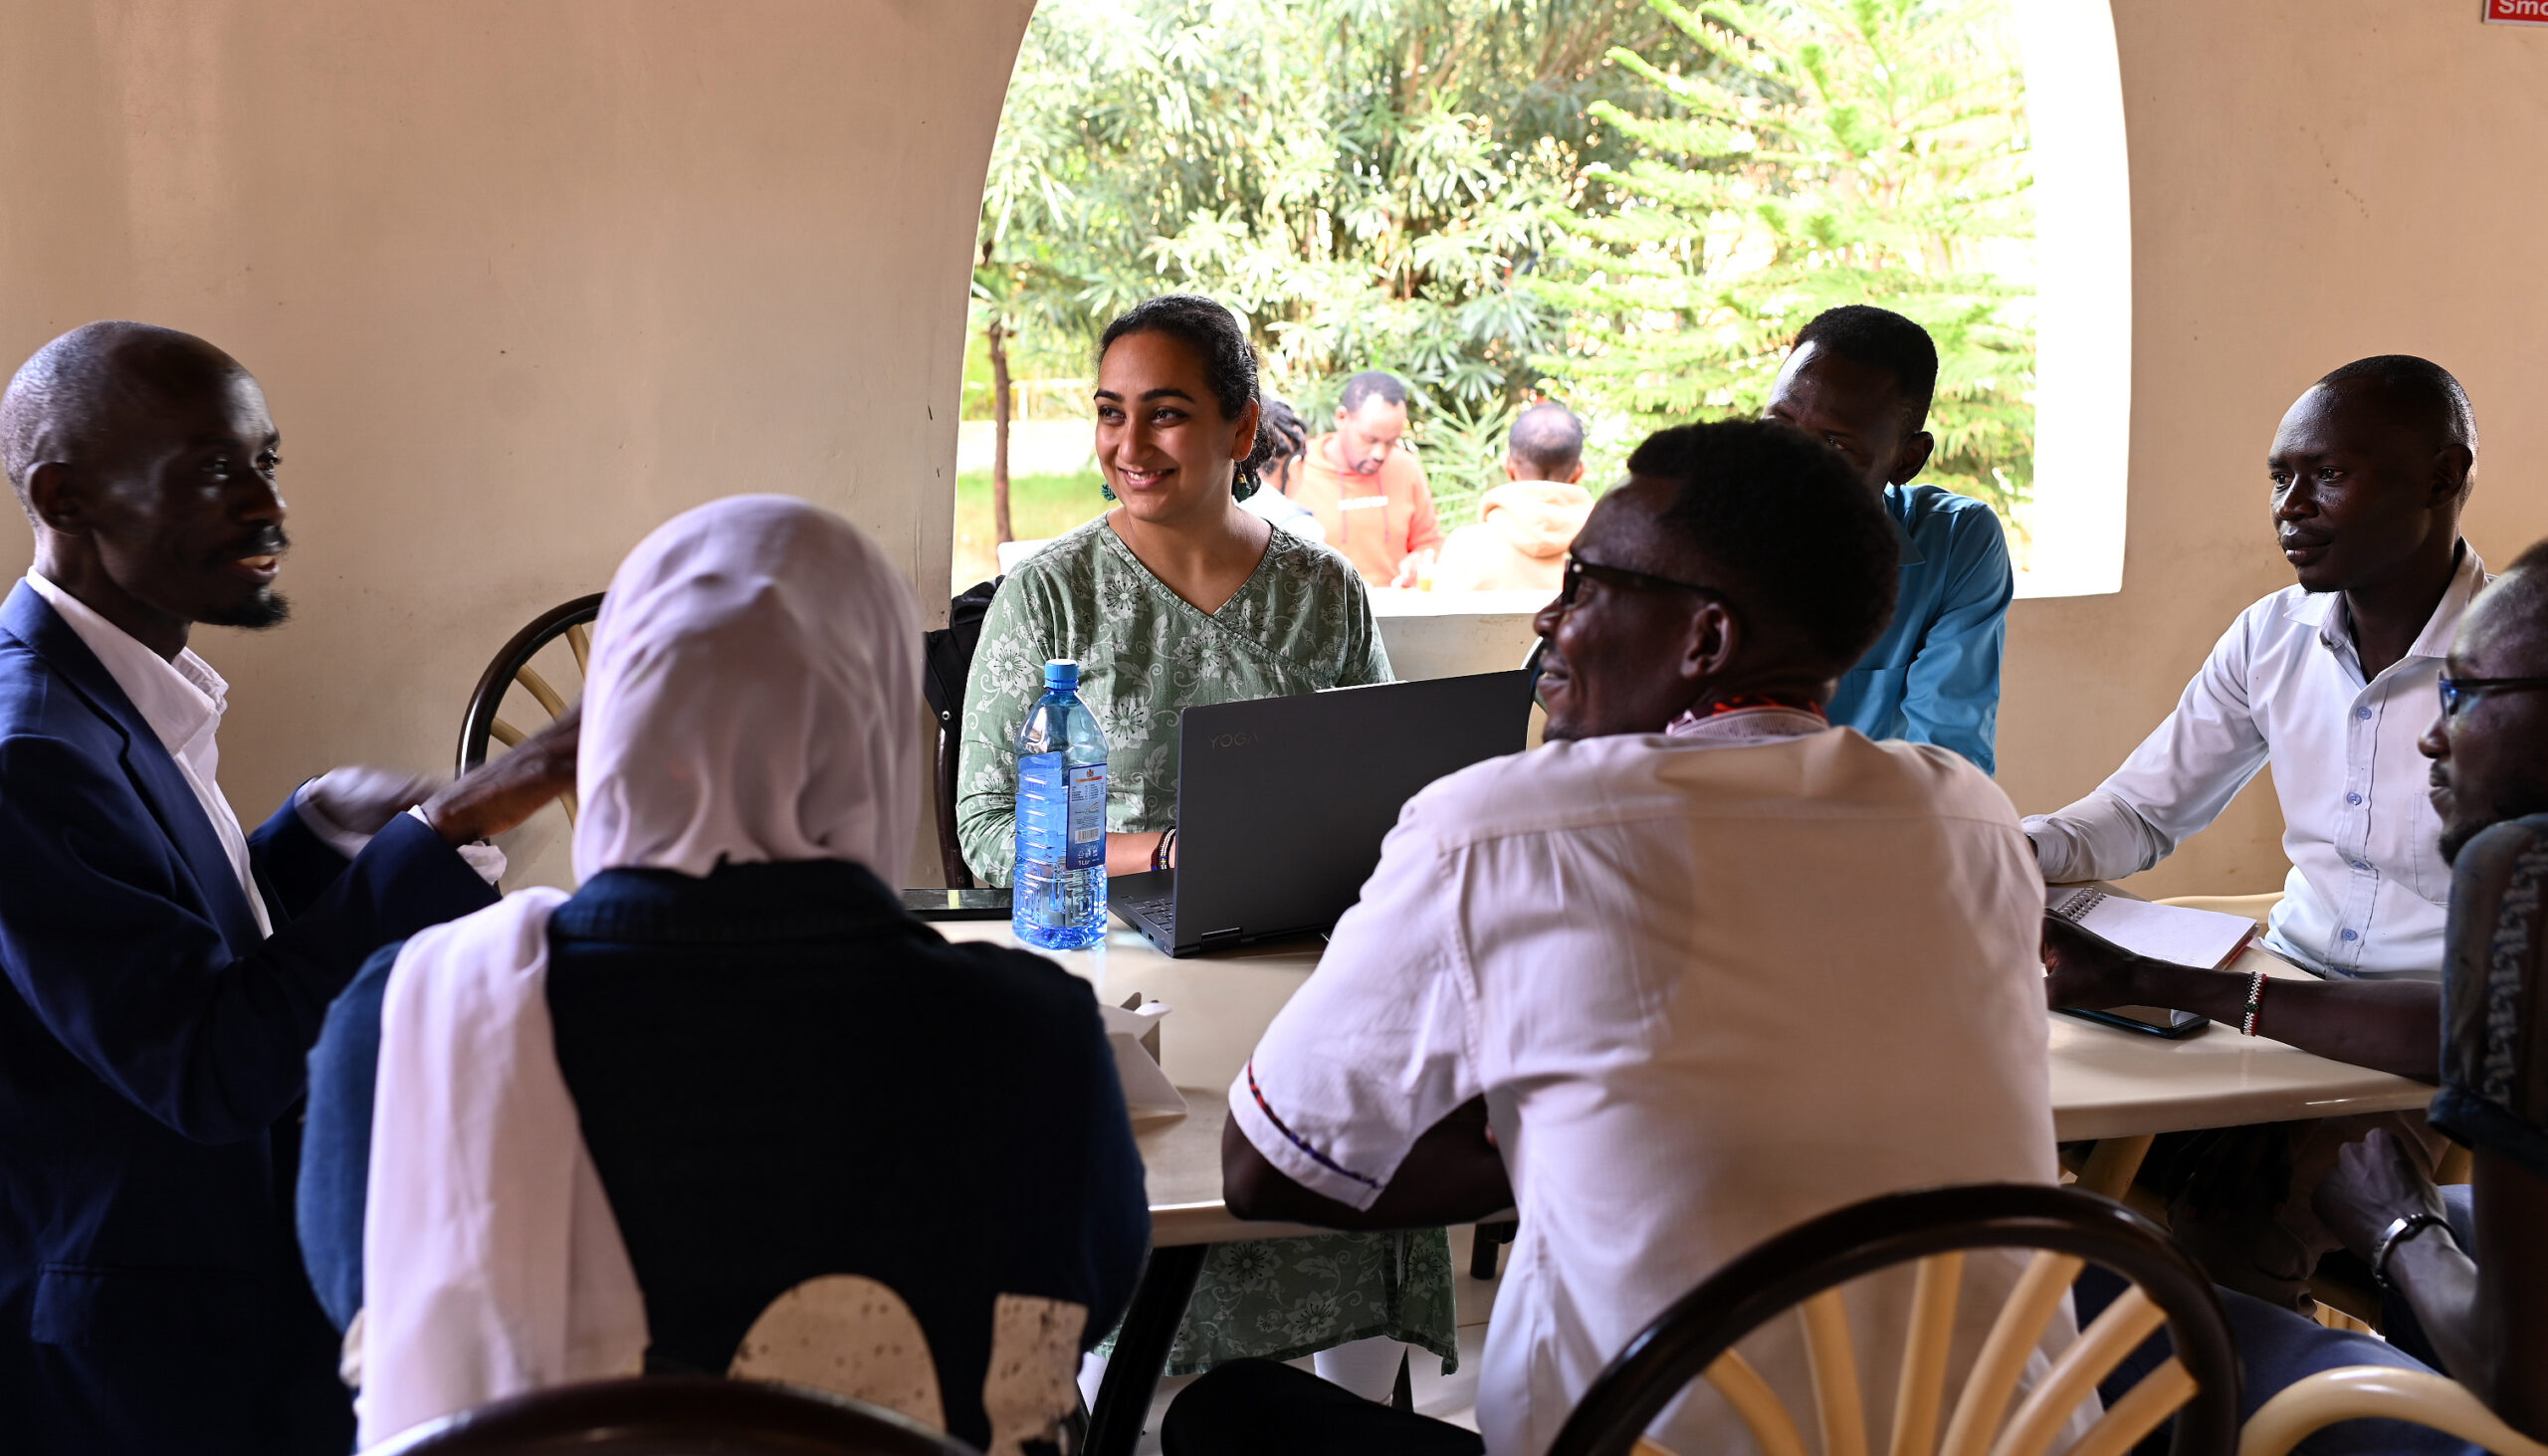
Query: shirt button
(2362, 712)
(2353, 798)
(2359, 865)
(2349, 934)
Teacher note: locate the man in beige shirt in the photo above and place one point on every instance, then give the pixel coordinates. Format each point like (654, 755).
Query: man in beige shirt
(1367, 488)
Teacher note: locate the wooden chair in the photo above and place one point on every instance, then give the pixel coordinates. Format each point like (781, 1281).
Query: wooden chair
(1804, 1269)
(481, 726)
(2315, 1401)
(948, 658)
(673, 1415)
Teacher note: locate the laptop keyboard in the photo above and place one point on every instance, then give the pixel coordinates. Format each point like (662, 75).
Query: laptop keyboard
(1161, 912)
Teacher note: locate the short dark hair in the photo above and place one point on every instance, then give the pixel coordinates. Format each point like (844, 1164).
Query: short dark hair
(63, 401)
(1213, 332)
(1547, 438)
(1363, 386)
(1880, 339)
(1784, 521)
(2421, 385)
(2525, 582)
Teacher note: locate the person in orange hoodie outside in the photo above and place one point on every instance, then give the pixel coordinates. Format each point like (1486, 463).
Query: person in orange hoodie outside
(1365, 487)
(1525, 525)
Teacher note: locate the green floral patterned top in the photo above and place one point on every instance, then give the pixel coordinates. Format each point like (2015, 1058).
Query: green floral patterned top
(1300, 623)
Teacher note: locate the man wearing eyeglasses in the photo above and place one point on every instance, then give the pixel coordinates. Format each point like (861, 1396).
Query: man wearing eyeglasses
(1671, 956)
(2331, 681)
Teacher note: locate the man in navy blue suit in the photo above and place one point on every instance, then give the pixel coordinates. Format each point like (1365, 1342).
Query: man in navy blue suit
(165, 973)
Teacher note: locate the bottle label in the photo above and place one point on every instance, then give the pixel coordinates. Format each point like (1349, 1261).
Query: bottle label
(1061, 812)
(1088, 816)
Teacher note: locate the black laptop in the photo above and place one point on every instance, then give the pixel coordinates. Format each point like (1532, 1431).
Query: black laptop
(1282, 802)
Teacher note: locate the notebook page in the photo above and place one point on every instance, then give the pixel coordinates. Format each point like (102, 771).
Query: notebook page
(2173, 932)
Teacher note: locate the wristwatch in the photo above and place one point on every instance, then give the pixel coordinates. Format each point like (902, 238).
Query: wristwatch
(2398, 1233)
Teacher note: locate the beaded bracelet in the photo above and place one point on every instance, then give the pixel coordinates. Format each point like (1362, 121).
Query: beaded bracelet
(1163, 854)
(2255, 1002)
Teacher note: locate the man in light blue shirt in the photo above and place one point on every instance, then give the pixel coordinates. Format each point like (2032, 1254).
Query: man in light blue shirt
(1860, 378)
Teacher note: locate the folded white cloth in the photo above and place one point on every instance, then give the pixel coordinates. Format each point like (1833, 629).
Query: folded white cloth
(492, 1263)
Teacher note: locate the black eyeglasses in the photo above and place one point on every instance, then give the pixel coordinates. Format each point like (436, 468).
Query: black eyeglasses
(2457, 691)
(1576, 568)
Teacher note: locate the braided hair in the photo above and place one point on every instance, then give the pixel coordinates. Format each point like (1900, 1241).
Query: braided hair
(1230, 364)
(1282, 437)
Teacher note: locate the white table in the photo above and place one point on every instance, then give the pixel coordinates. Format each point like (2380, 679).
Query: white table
(2106, 1083)
(2119, 1088)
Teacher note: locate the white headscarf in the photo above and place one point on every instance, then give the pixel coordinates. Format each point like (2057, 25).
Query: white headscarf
(753, 696)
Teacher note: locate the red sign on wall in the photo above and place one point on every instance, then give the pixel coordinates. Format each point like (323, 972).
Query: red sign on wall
(2516, 11)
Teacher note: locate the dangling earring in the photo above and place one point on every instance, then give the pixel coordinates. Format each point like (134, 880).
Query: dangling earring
(1103, 489)
(1244, 483)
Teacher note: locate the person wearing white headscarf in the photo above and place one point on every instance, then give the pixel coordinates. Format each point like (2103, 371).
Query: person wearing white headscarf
(748, 776)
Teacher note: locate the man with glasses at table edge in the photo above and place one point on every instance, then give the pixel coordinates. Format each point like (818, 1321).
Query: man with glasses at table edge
(2332, 681)
(1760, 1018)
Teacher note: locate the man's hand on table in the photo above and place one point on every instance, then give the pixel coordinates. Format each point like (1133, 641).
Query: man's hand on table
(2087, 971)
(502, 792)
(2389, 1026)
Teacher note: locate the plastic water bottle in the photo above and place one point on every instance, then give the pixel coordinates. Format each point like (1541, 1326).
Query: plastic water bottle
(1057, 895)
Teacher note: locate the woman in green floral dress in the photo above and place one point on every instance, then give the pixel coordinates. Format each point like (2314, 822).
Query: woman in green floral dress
(1177, 597)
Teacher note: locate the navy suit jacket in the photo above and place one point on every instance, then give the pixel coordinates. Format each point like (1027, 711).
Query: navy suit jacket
(151, 1061)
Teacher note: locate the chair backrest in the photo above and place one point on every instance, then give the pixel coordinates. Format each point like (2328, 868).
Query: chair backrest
(481, 726)
(2313, 1402)
(947, 666)
(673, 1415)
(1804, 1269)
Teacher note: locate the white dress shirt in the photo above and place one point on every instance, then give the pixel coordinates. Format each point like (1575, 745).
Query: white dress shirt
(2368, 892)
(1705, 1000)
(182, 700)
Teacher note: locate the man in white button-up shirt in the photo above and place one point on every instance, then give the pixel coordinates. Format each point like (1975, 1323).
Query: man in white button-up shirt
(163, 974)
(2331, 681)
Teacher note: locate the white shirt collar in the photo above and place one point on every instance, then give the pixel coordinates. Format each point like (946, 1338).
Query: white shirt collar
(182, 700)
(2325, 610)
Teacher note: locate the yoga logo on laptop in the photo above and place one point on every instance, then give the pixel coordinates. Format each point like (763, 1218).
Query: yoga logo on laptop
(1237, 740)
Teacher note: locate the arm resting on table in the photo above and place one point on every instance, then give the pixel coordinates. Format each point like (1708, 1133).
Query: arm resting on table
(2388, 1025)
(1454, 1175)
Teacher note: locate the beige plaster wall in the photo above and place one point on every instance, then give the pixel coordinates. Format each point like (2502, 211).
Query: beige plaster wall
(2310, 184)
(522, 279)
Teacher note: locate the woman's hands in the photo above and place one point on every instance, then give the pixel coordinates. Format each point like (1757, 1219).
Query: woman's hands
(1131, 854)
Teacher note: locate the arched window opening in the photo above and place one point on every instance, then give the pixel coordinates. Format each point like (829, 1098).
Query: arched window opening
(1628, 208)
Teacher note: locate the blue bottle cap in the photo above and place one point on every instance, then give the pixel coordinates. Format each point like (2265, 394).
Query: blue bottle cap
(1061, 674)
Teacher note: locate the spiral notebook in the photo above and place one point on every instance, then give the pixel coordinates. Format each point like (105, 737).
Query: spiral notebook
(2207, 939)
